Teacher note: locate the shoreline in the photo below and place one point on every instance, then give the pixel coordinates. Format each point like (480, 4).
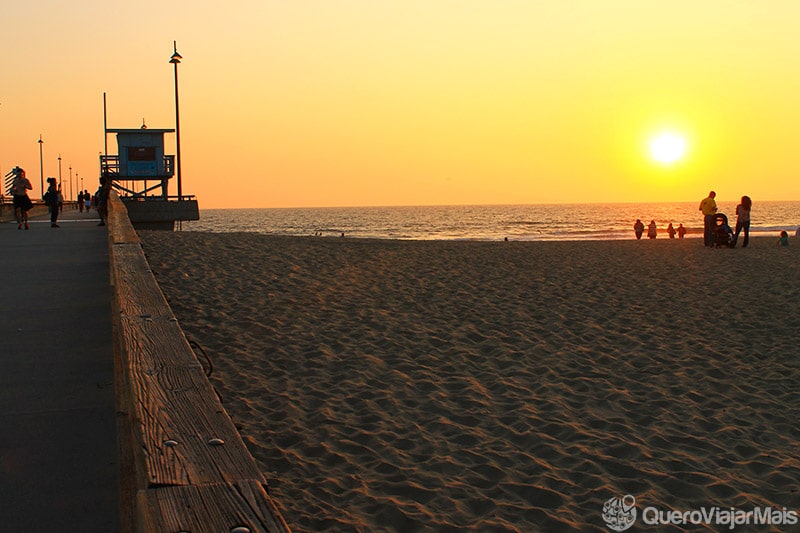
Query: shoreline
(483, 223)
(496, 385)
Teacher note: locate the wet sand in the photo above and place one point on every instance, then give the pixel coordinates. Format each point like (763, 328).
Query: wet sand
(497, 386)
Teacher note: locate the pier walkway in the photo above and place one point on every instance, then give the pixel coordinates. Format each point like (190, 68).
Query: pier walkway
(59, 466)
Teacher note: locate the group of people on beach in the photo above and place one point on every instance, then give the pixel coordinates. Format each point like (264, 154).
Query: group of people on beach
(716, 231)
(652, 230)
(714, 224)
(53, 199)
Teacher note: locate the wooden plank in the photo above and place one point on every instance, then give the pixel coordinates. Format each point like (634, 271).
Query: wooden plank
(190, 465)
(137, 291)
(155, 342)
(128, 482)
(120, 229)
(182, 421)
(217, 507)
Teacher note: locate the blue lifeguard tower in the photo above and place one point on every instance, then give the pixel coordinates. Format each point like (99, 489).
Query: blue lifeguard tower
(140, 172)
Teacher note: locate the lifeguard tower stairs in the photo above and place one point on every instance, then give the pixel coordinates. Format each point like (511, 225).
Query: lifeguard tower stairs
(140, 172)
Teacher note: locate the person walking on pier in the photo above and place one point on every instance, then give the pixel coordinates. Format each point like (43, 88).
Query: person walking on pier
(101, 199)
(51, 201)
(22, 204)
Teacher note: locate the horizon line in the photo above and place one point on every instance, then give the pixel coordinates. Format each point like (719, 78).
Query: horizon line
(485, 205)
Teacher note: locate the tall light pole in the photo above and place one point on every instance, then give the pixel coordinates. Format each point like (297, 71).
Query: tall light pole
(41, 165)
(59, 172)
(175, 59)
(70, 183)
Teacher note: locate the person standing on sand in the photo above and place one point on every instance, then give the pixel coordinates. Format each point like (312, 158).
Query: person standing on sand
(709, 208)
(671, 231)
(784, 239)
(22, 204)
(681, 231)
(638, 229)
(651, 230)
(743, 221)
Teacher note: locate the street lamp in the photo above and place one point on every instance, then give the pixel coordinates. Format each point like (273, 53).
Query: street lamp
(175, 59)
(70, 183)
(41, 165)
(61, 207)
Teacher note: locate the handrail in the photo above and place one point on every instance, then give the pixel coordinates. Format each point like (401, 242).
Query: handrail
(184, 465)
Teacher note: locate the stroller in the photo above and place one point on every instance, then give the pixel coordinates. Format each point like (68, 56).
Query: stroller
(723, 234)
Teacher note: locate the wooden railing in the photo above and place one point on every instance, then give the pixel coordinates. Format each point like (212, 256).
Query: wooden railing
(184, 465)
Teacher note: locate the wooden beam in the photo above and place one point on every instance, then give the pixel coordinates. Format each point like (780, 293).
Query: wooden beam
(183, 459)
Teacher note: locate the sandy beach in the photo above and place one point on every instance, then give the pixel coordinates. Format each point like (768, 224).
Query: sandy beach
(498, 386)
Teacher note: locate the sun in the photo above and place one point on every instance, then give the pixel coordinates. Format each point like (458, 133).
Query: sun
(668, 148)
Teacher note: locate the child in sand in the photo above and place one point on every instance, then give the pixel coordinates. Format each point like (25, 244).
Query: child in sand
(784, 239)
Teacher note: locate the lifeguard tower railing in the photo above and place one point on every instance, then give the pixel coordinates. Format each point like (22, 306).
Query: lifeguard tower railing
(127, 184)
(144, 191)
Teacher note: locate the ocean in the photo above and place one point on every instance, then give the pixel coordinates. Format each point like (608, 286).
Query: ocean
(489, 222)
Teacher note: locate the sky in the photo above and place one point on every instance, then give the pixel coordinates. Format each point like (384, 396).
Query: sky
(309, 103)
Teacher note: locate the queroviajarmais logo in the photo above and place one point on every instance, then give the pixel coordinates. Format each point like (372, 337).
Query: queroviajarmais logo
(620, 513)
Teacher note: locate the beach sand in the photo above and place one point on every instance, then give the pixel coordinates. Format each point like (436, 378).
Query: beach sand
(498, 386)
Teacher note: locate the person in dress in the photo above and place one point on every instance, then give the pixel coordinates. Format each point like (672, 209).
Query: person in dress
(743, 220)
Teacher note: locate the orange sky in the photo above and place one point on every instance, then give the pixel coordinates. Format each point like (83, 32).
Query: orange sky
(357, 102)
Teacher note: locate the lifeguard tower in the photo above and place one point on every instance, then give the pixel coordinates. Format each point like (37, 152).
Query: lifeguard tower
(140, 172)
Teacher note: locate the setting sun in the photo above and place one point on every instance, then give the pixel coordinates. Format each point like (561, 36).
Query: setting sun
(668, 148)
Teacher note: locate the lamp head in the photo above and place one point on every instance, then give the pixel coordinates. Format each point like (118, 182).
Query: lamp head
(176, 57)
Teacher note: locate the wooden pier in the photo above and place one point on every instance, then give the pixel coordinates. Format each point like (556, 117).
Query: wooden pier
(184, 465)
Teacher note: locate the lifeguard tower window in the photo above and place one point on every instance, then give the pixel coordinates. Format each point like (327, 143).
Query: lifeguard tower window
(141, 153)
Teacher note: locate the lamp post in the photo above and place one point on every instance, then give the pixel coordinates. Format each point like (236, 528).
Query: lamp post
(70, 183)
(175, 59)
(76, 180)
(41, 165)
(60, 207)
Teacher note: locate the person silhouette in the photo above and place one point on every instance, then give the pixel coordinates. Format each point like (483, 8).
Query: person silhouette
(743, 221)
(651, 230)
(51, 201)
(22, 203)
(638, 229)
(709, 208)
